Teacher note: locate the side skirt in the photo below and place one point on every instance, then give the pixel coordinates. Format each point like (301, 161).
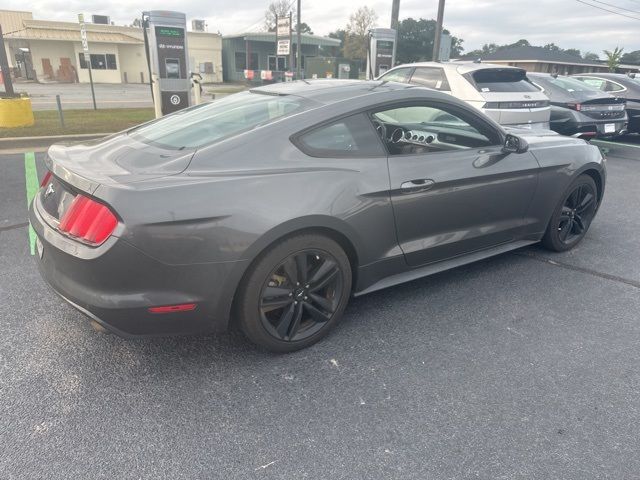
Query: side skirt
(437, 267)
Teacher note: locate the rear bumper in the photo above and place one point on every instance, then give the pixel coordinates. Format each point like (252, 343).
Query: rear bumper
(591, 128)
(116, 283)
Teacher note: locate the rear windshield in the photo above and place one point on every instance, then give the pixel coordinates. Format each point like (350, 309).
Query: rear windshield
(502, 80)
(570, 84)
(210, 122)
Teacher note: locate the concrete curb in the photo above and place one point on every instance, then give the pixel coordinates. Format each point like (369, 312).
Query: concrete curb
(19, 143)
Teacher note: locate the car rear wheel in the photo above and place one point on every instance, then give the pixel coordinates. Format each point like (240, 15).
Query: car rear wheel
(295, 293)
(573, 215)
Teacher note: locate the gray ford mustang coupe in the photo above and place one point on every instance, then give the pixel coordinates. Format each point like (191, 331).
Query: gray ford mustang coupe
(268, 209)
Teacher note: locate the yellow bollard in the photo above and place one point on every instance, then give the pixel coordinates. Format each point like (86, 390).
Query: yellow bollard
(16, 112)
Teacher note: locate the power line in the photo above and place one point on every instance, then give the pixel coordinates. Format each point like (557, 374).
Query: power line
(615, 6)
(607, 10)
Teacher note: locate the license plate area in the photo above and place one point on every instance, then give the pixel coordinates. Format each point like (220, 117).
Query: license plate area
(610, 128)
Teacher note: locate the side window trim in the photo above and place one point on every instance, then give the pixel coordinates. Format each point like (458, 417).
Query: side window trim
(448, 108)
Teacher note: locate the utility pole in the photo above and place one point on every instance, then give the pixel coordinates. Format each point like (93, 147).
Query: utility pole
(395, 12)
(438, 33)
(298, 45)
(4, 66)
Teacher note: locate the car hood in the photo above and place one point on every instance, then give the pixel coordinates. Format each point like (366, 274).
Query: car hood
(117, 159)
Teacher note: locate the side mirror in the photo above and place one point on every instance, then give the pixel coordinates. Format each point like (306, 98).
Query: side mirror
(514, 144)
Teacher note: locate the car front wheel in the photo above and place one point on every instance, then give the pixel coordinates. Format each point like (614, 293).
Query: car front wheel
(294, 293)
(573, 215)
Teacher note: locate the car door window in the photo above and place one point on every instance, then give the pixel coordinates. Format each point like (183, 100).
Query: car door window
(431, 77)
(399, 75)
(613, 87)
(594, 82)
(348, 137)
(419, 129)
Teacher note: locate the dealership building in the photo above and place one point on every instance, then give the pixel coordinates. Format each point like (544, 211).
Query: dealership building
(45, 50)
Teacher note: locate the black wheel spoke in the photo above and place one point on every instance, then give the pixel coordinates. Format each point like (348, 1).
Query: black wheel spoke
(302, 266)
(284, 324)
(323, 303)
(565, 229)
(578, 225)
(316, 314)
(576, 196)
(291, 271)
(323, 275)
(295, 322)
(585, 203)
(275, 302)
(565, 214)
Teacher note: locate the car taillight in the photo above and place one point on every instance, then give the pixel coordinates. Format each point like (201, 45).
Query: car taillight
(574, 106)
(88, 220)
(45, 180)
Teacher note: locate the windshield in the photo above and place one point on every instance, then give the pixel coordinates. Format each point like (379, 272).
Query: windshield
(210, 122)
(502, 80)
(571, 84)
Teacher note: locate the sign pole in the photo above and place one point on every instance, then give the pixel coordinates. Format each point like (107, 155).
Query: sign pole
(87, 57)
(290, 45)
(276, 69)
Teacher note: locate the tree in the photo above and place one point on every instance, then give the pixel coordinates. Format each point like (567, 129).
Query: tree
(631, 57)
(304, 28)
(415, 41)
(356, 38)
(613, 58)
(278, 8)
(574, 51)
(136, 23)
(339, 34)
(592, 57)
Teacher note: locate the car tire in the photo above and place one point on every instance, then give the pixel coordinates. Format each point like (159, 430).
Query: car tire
(572, 216)
(281, 313)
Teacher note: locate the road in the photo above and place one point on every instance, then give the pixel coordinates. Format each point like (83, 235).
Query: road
(526, 365)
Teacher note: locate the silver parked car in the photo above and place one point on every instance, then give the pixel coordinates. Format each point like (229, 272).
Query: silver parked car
(503, 93)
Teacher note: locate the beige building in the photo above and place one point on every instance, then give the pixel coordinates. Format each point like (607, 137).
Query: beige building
(45, 50)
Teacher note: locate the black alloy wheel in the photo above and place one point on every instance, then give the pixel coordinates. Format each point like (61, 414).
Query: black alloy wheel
(572, 219)
(300, 297)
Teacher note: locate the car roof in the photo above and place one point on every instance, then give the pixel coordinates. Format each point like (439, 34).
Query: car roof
(331, 90)
(461, 67)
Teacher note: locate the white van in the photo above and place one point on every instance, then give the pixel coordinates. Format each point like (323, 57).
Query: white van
(503, 93)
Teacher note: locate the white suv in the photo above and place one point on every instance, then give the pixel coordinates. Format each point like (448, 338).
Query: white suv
(503, 93)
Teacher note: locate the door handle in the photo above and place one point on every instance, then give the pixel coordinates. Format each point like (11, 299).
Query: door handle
(417, 185)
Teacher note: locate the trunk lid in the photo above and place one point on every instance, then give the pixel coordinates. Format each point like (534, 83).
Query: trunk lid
(114, 160)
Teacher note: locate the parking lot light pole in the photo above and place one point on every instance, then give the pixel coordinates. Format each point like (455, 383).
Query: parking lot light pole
(438, 33)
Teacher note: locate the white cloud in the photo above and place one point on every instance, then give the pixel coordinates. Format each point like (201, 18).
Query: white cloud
(566, 23)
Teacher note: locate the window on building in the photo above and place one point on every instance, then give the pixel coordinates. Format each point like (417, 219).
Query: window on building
(282, 63)
(111, 62)
(241, 61)
(99, 61)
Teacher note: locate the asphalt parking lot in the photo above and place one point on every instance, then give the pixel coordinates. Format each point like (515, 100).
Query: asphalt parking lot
(526, 365)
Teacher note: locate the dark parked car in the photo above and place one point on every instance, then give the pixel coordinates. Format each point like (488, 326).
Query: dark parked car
(272, 207)
(581, 110)
(622, 86)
